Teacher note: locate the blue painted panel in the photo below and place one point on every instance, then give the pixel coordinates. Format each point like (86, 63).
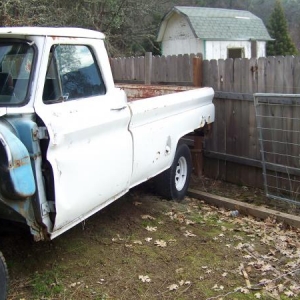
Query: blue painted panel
(16, 171)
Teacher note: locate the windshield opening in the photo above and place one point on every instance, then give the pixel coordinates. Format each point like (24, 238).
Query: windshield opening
(16, 59)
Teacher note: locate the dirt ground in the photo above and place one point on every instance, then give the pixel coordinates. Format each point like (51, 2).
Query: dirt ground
(143, 247)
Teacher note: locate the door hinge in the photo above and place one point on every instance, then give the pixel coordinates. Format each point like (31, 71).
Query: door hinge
(40, 133)
(48, 207)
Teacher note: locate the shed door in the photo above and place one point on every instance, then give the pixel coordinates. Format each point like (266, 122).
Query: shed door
(90, 147)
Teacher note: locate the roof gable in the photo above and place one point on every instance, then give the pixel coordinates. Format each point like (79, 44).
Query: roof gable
(219, 24)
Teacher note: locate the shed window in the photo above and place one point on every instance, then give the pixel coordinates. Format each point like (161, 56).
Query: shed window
(235, 52)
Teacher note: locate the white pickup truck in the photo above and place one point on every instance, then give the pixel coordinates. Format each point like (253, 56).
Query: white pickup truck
(70, 140)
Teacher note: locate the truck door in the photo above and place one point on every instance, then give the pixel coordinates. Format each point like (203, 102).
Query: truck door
(90, 147)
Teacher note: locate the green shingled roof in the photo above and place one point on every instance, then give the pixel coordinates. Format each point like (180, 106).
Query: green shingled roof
(223, 24)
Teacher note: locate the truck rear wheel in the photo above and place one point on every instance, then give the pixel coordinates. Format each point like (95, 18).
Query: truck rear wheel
(174, 182)
(3, 278)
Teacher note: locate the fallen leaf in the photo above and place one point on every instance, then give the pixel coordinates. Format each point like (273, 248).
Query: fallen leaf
(218, 288)
(172, 241)
(138, 242)
(244, 291)
(147, 217)
(148, 239)
(151, 229)
(289, 293)
(178, 271)
(172, 287)
(74, 284)
(189, 222)
(160, 243)
(189, 234)
(144, 278)
(295, 288)
(257, 295)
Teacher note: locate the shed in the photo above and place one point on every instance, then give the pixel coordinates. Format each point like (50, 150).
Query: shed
(214, 32)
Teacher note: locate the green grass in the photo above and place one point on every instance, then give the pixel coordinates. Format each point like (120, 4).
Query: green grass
(47, 284)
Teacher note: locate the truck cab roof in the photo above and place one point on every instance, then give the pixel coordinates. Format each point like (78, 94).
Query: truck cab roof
(72, 32)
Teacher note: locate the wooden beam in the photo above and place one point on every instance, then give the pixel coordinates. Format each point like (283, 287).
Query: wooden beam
(197, 155)
(245, 208)
(197, 71)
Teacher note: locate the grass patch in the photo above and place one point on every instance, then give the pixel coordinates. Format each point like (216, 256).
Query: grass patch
(46, 284)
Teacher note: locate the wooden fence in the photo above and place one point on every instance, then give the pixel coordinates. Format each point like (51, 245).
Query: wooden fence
(231, 150)
(171, 69)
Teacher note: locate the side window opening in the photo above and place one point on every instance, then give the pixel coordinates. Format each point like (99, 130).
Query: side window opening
(235, 53)
(16, 60)
(72, 74)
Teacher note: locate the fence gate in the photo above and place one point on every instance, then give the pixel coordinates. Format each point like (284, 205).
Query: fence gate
(278, 124)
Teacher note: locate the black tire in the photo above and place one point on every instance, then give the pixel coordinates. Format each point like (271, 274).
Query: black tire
(173, 183)
(3, 278)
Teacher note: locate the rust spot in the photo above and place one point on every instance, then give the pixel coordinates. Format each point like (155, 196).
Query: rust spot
(139, 91)
(20, 162)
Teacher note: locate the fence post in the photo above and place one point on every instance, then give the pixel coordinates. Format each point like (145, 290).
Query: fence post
(197, 71)
(148, 67)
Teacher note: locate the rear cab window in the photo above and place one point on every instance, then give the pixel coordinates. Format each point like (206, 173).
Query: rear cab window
(72, 73)
(16, 61)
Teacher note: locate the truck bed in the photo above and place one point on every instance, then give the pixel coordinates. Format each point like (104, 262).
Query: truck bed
(141, 91)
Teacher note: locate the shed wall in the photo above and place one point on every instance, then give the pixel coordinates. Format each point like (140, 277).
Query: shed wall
(183, 46)
(218, 49)
(261, 49)
(179, 38)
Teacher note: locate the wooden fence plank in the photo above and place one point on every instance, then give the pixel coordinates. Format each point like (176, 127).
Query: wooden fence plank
(253, 84)
(296, 83)
(261, 75)
(156, 71)
(186, 67)
(148, 67)
(279, 74)
(270, 75)
(206, 73)
(215, 75)
(228, 76)
(179, 73)
(221, 73)
(237, 80)
(245, 75)
(288, 79)
(197, 76)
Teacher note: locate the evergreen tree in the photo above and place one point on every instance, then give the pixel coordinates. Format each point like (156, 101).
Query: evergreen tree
(278, 29)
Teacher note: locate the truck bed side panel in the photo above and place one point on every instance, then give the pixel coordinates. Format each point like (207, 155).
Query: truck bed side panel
(158, 123)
